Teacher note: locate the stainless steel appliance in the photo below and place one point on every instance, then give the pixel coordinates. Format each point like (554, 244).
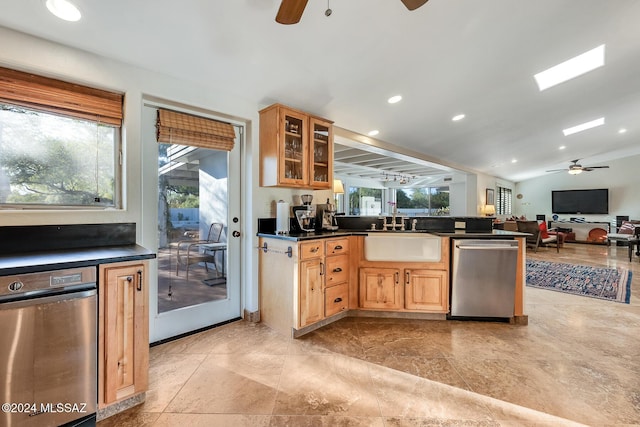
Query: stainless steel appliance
(483, 279)
(326, 216)
(48, 348)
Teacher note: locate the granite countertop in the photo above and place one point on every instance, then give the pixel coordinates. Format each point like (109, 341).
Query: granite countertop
(32, 262)
(341, 233)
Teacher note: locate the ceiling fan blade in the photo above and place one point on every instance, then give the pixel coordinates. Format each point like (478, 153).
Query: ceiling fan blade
(413, 4)
(590, 168)
(557, 170)
(290, 11)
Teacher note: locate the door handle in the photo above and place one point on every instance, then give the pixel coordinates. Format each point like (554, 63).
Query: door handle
(139, 286)
(235, 233)
(407, 278)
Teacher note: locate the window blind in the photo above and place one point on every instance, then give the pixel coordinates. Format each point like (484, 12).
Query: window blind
(60, 97)
(504, 203)
(185, 129)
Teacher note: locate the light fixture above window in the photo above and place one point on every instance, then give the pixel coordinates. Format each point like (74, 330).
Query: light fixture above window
(583, 126)
(64, 9)
(395, 99)
(571, 68)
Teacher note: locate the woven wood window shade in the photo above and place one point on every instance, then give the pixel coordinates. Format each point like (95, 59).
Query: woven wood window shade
(184, 129)
(57, 96)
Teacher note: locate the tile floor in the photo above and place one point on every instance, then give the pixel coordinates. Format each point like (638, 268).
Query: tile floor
(577, 362)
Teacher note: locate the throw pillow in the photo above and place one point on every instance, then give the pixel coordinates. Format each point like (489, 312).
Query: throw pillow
(544, 234)
(627, 228)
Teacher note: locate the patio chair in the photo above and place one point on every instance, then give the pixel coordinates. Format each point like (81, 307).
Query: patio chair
(191, 251)
(535, 239)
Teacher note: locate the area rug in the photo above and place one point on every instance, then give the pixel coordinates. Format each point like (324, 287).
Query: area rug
(596, 282)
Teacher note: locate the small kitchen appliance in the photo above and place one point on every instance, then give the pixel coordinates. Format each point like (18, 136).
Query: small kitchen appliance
(305, 215)
(326, 216)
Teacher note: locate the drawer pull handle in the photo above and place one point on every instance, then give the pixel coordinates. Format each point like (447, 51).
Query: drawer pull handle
(337, 299)
(338, 247)
(314, 250)
(337, 270)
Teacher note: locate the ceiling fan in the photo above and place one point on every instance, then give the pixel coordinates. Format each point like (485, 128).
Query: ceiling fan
(290, 11)
(576, 168)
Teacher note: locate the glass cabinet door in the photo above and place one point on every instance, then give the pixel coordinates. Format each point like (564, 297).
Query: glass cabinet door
(321, 153)
(295, 157)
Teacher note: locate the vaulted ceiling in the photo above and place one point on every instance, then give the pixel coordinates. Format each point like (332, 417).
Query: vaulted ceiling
(476, 57)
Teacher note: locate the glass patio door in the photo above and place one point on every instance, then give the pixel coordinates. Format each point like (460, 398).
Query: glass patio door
(198, 210)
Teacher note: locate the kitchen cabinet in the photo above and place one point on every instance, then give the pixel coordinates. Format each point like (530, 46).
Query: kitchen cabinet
(380, 288)
(301, 291)
(123, 343)
(426, 290)
(404, 289)
(296, 149)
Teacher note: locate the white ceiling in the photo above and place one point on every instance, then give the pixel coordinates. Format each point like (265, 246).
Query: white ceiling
(449, 56)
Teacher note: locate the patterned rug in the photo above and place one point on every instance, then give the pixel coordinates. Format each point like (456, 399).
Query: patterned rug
(597, 282)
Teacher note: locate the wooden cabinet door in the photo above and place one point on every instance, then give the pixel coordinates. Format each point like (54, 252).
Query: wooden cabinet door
(311, 292)
(320, 153)
(381, 288)
(124, 331)
(426, 290)
(294, 148)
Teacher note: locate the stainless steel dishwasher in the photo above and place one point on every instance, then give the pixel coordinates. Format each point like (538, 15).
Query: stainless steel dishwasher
(48, 348)
(483, 279)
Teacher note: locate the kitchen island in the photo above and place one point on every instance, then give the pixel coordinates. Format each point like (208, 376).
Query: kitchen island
(308, 280)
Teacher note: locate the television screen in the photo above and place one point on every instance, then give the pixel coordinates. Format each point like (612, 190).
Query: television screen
(580, 201)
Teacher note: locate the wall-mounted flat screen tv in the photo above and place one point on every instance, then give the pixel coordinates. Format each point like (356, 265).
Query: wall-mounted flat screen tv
(580, 201)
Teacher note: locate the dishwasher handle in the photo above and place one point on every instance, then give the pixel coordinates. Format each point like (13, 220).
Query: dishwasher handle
(488, 248)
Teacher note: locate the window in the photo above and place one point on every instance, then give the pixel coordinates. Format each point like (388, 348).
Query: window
(59, 143)
(504, 201)
(365, 201)
(433, 201)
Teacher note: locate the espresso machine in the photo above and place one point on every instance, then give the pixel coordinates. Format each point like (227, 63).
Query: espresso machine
(305, 215)
(326, 216)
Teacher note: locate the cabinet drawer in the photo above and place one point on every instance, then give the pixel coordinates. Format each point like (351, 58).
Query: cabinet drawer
(338, 246)
(336, 299)
(311, 250)
(337, 269)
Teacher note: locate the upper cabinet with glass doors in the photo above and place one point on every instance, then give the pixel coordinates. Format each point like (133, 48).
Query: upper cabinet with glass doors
(296, 149)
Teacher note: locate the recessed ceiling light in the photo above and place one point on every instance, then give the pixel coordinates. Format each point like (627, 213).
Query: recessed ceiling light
(394, 99)
(458, 117)
(64, 9)
(514, 160)
(373, 132)
(623, 130)
(583, 126)
(562, 147)
(571, 68)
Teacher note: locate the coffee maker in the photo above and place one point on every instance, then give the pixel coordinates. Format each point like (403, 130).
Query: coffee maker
(305, 215)
(326, 216)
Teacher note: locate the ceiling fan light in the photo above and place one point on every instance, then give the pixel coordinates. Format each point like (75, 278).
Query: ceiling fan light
(575, 171)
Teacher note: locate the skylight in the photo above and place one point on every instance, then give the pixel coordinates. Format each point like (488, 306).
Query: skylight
(571, 68)
(583, 126)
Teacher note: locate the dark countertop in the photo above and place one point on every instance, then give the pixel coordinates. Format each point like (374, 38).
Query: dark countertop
(341, 233)
(32, 262)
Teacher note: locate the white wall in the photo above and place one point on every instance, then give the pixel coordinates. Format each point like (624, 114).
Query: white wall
(621, 179)
(27, 53)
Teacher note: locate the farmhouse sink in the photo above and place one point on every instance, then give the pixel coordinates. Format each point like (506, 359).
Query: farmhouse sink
(405, 247)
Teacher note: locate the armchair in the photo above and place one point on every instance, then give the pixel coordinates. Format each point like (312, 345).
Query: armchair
(189, 251)
(535, 238)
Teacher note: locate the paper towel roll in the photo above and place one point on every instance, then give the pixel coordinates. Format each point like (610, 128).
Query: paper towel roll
(282, 217)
